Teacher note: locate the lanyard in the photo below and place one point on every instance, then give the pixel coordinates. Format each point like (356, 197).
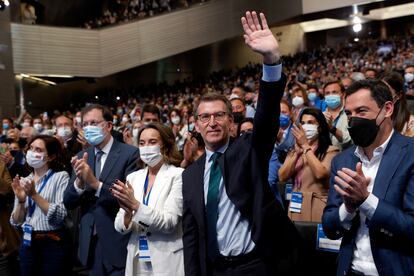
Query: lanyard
(32, 204)
(145, 199)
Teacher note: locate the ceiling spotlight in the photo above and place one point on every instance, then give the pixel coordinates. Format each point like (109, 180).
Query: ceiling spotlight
(356, 39)
(357, 27)
(356, 20)
(118, 98)
(6, 2)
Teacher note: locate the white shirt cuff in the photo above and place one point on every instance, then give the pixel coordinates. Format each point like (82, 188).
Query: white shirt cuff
(272, 73)
(98, 191)
(78, 190)
(345, 217)
(369, 206)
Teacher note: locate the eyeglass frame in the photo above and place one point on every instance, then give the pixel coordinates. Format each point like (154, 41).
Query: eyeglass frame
(217, 116)
(93, 123)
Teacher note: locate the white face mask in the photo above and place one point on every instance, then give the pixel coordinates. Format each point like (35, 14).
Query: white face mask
(311, 131)
(35, 159)
(26, 124)
(78, 119)
(135, 132)
(150, 155)
(64, 132)
(124, 119)
(38, 127)
(297, 101)
(175, 120)
(408, 77)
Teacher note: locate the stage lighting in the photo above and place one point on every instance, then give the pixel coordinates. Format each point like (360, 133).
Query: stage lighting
(357, 27)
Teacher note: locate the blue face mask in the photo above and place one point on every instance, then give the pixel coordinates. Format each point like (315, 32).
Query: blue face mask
(284, 120)
(312, 96)
(5, 126)
(94, 135)
(333, 101)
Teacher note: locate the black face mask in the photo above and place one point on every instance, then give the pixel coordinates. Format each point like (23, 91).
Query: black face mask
(364, 131)
(13, 153)
(238, 117)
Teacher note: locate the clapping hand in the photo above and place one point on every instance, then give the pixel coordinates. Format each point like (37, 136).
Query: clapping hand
(260, 38)
(352, 186)
(28, 186)
(300, 136)
(84, 172)
(18, 189)
(124, 193)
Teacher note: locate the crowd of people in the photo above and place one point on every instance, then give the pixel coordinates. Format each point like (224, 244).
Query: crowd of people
(118, 11)
(206, 178)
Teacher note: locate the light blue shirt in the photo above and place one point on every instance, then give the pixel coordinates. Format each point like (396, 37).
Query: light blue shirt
(272, 73)
(233, 231)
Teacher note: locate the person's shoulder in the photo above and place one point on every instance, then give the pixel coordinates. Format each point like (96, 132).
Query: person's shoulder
(195, 166)
(135, 174)
(125, 147)
(345, 154)
(333, 149)
(174, 170)
(61, 175)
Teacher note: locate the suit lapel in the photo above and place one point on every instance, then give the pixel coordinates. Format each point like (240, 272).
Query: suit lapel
(139, 186)
(198, 189)
(110, 161)
(158, 185)
(91, 158)
(393, 155)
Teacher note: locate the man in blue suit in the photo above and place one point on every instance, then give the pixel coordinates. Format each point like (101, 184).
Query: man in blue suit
(371, 197)
(101, 248)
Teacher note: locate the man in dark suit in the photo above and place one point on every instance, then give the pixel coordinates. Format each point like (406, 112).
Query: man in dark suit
(371, 198)
(232, 223)
(101, 248)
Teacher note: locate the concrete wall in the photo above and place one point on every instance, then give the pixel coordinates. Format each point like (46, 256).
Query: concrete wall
(8, 96)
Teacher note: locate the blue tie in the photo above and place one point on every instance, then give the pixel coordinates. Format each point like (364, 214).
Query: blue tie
(212, 206)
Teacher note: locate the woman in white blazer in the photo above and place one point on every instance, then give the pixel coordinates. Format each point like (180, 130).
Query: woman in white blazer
(151, 206)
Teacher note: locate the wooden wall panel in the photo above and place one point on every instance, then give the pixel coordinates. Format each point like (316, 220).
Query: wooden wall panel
(98, 53)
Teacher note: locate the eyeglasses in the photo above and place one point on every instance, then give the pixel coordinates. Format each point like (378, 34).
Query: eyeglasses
(92, 123)
(206, 117)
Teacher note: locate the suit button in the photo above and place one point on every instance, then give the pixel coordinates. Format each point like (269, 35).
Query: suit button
(148, 234)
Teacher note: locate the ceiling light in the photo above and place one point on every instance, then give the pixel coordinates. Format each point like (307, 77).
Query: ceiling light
(357, 27)
(356, 39)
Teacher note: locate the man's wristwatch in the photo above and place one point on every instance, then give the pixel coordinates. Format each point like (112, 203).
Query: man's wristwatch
(333, 130)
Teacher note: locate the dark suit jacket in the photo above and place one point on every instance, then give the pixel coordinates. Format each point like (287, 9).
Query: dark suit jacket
(101, 211)
(245, 170)
(391, 228)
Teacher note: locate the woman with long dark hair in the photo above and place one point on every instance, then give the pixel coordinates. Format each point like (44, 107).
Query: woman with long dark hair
(308, 165)
(39, 210)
